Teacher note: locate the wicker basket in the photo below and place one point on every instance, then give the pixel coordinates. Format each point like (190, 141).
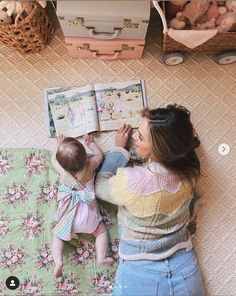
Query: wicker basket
(30, 35)
(221, 42)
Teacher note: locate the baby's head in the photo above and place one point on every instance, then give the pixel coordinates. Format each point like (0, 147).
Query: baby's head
(71, 155)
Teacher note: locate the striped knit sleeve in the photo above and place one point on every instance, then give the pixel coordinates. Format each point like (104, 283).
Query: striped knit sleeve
(119, 188)
(118, 157)
(113, 189)
(115, 159)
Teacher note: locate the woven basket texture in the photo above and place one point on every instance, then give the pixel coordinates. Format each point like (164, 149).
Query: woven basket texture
(221, 42)
(30, 35)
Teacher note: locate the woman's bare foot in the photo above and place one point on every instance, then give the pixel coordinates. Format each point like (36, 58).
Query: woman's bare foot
(106, 261)
(58, 270)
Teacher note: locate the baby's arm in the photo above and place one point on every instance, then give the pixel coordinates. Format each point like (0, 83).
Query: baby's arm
(97, 158)
(54, 161)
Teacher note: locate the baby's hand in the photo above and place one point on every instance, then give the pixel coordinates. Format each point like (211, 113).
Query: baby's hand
(60, 138)
(88, 139)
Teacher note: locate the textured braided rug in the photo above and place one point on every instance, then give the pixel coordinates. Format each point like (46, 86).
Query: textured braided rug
(207, 89)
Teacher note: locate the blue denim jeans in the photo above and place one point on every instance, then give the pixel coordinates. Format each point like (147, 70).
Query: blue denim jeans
(178, 275)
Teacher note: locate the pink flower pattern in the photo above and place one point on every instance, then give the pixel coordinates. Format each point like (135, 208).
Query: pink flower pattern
(115, 249)
(6, 162)
(31, 286)
(4, 222)
(12, 257)
(68, 285)
(32, 225)
(35, 163)
(48, 193)
(103, 283)
(15, 194)
(83, 253)
(44, 258)
(2, 288)
(106, 216)
(17, 167)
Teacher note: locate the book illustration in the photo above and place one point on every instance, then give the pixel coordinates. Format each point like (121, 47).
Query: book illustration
(70, 115)
(118, 103)
(48, 113)
(110, 110)
(76, 111)
(100, 106)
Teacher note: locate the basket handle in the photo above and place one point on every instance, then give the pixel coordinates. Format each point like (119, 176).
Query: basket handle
(104, 35)
(162, 15)
(106, 56)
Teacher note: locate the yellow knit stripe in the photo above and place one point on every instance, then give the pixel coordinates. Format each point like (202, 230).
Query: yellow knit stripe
(160, 202)
(160, 220)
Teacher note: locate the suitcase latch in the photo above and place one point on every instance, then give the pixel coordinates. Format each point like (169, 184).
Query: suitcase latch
(79, 21)
(129, 25)
(84, 46)
(126, 47)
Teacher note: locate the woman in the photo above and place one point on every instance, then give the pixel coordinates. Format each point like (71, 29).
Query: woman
(156, 251)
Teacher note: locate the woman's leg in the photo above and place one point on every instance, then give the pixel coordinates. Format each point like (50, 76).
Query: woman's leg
(177, 275)
(133, 280)
(57, 249)
(185, 274)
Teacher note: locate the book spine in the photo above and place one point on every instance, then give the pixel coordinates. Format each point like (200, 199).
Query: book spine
(144, 93)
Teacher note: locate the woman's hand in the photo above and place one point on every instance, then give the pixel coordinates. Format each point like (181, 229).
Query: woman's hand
(123, 135)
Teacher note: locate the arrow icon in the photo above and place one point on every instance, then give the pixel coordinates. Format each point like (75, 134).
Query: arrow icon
(224, 149)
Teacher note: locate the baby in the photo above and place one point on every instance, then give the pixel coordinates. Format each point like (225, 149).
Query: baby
(78, 211)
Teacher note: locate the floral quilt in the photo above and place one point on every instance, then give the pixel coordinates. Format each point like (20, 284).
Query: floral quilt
(28, 191)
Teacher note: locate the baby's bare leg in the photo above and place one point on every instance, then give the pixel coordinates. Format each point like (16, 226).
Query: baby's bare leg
(101, 244)
(57, 254)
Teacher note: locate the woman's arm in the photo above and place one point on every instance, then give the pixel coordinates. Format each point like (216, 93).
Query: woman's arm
(117, 158)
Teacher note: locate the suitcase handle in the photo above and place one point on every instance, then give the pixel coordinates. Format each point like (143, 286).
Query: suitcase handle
(104, 35)
(106, 56)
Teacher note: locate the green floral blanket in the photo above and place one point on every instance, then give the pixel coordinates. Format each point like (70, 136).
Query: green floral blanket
(28, 191)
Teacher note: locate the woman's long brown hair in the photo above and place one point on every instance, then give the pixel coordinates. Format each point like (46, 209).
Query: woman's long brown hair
(174, 141)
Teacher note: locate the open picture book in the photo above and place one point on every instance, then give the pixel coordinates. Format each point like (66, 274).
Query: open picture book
(99, 107)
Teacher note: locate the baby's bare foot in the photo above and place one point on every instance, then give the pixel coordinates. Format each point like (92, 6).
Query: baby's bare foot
(106, 261)
(58, 270)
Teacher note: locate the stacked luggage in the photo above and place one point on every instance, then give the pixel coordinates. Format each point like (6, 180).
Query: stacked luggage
(104, 29)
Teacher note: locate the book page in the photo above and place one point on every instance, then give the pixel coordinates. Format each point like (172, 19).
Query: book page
(74, 111)
(118, 103)
(48, 114)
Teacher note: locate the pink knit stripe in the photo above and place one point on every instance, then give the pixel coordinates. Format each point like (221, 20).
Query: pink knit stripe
(143, 182)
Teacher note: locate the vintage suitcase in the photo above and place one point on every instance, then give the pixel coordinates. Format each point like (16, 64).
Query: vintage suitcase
(104, 19)
(106, 50)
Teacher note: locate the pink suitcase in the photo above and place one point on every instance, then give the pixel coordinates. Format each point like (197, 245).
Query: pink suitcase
(104, 49)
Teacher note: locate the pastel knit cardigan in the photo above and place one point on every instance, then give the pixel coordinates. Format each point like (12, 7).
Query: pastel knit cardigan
(153, 207)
